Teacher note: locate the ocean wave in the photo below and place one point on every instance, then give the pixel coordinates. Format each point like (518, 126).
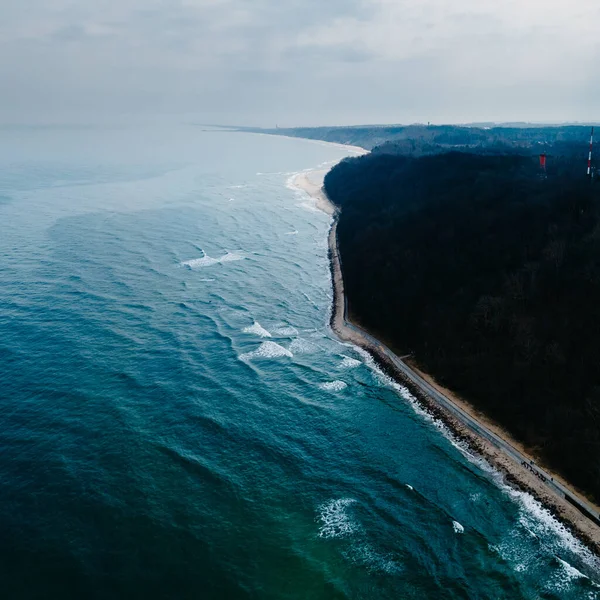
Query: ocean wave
(198, 263)
(335, 519)
(562, 580)
(520, 556)
(310, 300)
(302, 346)
(349, 363)
(536, 519)
(231, 256)
(208, 261)
(310, 204)
(417, 407)
(458, 528)
(365, 554)
(267, 350)
(286, 331)
(290, 182)
(257, 329)
(333, 386)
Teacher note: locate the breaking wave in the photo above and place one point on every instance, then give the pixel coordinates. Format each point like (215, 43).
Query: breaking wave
(257, 329)
(458, 528)
(208, 261)
(267, 350)
(301, 346)
(287, 331)
(373, 560)
(335, 519)
(333, 386)
(350, 363)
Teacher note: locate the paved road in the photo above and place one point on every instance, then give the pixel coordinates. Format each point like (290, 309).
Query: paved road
(480, 429)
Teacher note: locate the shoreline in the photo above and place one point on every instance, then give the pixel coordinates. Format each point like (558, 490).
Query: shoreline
(482, 436)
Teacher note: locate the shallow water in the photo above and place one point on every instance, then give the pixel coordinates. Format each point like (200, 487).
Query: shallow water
(177, 420)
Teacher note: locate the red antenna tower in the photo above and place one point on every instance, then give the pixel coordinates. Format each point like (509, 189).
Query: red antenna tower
(589, 169)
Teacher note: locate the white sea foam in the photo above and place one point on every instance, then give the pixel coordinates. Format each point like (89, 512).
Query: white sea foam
(410, 487)
(385, 380)
(539, 521)
(290, 182)
(571, 571)
(333, 386)
(257, 329)
(310, 204)
(295, 232)
(522, 556)
(404, 392)
(207, 280)
(349, 363)
(302, 346)
(534, 518)
(373, 560)
(198, 263)
(335, 519)
(231, 256)
(208, 261)
(562, 579)
(458, 528)
(536, 522)
(267, 350)
(286, 331)
(306, 201)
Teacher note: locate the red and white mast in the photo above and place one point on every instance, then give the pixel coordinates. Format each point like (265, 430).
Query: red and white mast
(589, 169)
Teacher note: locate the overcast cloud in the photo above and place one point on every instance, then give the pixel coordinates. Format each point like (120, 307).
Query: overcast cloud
(300, 61)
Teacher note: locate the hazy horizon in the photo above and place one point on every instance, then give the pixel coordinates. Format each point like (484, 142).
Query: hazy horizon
(299, 64)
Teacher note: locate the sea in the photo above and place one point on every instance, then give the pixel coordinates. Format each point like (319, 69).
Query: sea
(177, 419)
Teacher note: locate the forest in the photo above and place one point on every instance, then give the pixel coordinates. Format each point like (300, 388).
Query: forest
(486, 270)
(418, 140)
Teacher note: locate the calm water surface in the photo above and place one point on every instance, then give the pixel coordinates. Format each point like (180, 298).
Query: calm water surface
(177, 420)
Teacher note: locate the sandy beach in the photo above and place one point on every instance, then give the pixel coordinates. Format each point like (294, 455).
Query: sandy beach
(312, 183)
(482, 436)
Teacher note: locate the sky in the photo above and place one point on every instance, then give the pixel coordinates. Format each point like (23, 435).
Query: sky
(300, 62)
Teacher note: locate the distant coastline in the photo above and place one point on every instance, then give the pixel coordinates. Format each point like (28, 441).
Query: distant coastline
(525, 474)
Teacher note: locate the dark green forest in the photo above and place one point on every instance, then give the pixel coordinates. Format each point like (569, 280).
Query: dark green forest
(488, 272)
(418, 140)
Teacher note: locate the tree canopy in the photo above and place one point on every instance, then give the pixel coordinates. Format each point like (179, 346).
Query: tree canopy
(488, 271)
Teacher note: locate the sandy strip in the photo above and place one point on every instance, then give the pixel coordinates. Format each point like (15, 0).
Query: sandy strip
(515, 473)
(311, 182)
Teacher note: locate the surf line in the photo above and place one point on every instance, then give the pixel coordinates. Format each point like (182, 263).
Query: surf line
(579, 516)
(519, 469)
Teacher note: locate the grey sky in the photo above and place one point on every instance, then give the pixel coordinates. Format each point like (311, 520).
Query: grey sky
(300, 61)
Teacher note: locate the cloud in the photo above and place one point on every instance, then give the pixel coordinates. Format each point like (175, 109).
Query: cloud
(300, 61)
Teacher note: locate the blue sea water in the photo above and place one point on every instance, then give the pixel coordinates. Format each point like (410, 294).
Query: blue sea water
(178, 421)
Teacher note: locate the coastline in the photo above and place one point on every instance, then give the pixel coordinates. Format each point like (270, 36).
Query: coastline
(311, 182)
(480, 435)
